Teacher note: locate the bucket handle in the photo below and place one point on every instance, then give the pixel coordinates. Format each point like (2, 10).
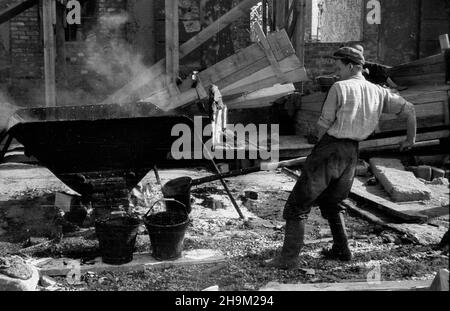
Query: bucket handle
(165, 200)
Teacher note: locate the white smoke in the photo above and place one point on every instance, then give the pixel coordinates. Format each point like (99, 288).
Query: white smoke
(6, 111)
(109, 55)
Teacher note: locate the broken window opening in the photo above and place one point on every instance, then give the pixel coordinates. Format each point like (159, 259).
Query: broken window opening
(334, 21)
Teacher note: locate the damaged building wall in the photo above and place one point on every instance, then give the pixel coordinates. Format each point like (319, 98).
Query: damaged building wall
(26, 44)
(194, 16)
(144, 32)
(4, 52)
(390, 42)
(341, 20)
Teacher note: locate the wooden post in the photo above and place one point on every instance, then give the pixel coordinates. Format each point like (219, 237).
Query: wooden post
(300, 31)
(59, 41)
(264, 16)
(49, 51)
(172, 43)
(280, 18)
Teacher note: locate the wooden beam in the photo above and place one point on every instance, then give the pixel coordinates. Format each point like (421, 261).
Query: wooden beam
(148, 75)
(49, 52)
(268, 50)
(16, 9)
(172, 42)
(300, 30)
(141, 262)
(353, 286)
(375, 144)
(264, 16)
(280, 14)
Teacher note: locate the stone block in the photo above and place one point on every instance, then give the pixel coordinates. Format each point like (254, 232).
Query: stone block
(401, 185)
(223, 167)
(17, 275)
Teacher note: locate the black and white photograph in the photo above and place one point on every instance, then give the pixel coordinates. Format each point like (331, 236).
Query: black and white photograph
(224, 152)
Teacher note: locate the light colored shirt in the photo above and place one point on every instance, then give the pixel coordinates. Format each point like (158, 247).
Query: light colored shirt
(354, 106)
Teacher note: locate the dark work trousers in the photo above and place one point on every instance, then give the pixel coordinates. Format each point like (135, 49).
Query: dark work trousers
(326, 179)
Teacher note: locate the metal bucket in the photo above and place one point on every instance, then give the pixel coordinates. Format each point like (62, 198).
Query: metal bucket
(166, 231)
(117, 238)
(180, 190)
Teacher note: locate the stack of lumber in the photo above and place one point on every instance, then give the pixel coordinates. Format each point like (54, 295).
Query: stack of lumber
(251, 69)
(427, 90)
(429, 70)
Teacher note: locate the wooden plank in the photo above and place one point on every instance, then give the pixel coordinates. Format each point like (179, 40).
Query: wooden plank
(423, 97)
(300, 30)
(62, 266)
(426, 61)
(422, 111)
(246, 78)
(172, 42)
(264, 16)
(259, 98)
(393, 141)
(247, 61)
(404, 212)
(352, 286)
(232, 69)
(423, 234)
(16, 9)
(269, 54)
(49, 52)
(280, 14)
(266, 77)
(418, 70)
(433, 78)
(422, 123)
(297, 75)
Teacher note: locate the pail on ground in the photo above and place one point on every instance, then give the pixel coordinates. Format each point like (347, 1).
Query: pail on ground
(180, 190)
(117, 238)
(166, 231)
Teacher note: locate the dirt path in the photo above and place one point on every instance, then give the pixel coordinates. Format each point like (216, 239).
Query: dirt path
(245, 247)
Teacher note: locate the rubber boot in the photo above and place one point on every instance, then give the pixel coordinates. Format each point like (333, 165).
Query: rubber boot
(293, 243)
(340, 249)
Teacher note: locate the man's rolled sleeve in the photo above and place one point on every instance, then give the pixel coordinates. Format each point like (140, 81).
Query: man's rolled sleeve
(329, 108)
(394, 104)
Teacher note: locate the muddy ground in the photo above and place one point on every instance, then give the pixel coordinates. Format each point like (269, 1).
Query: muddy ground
(218, 226)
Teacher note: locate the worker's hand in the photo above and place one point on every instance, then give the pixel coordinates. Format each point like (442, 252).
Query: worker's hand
(406, 146)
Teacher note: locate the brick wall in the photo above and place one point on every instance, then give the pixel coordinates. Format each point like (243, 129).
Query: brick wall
(26, 45)
(111, 6)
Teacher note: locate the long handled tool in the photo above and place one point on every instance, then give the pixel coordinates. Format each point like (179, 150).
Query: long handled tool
(264, 166)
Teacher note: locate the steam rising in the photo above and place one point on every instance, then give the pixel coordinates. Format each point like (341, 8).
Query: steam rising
(6, 111)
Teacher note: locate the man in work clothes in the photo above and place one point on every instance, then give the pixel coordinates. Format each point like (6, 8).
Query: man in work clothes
(350, 114)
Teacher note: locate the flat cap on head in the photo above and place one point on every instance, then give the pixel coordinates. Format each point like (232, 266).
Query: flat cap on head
(350, 54)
